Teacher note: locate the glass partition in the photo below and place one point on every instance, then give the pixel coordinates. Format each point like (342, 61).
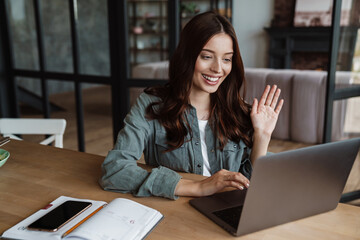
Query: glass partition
(347, 75)
(93, 37)
(23, 35)
(55, 20)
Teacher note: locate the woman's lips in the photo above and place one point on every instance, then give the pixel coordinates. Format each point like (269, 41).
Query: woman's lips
(211, 80)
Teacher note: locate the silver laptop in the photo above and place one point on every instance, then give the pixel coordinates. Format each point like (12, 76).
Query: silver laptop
(284, 187)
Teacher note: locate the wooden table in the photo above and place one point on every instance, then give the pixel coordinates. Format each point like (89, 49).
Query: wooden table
(35, 175)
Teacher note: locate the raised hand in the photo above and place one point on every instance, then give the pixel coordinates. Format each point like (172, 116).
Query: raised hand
(264, 114)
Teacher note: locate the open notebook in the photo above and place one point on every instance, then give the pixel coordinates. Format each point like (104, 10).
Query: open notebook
(120, 219)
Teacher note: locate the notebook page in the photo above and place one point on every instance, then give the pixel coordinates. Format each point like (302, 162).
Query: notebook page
(120, 219)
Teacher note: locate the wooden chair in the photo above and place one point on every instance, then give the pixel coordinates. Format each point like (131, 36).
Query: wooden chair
(9, 127)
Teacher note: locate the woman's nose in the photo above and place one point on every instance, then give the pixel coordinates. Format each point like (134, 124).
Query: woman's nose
(216, 66)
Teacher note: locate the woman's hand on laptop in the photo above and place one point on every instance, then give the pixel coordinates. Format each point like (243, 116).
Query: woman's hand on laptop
(213, 184)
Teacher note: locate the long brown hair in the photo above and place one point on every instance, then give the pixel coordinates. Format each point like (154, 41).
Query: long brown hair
(230, 115)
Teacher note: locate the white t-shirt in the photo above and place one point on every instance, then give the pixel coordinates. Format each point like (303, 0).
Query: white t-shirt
(206, 167)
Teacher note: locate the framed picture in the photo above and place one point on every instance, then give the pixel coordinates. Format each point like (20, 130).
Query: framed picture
(311, 13)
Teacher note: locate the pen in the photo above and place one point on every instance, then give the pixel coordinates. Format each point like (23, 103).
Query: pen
(4, 140)
(82, 221)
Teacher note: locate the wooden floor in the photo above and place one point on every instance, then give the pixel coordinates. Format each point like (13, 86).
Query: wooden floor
(98, 127)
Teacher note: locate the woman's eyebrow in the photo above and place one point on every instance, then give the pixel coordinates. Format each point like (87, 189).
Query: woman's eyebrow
(211, 51)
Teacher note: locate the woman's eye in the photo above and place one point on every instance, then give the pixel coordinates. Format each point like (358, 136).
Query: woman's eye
(227, 59)
(205, 57)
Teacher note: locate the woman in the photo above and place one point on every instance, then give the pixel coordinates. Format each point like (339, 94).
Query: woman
(198, 122)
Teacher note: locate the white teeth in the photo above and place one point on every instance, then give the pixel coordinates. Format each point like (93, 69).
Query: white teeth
(210, 78)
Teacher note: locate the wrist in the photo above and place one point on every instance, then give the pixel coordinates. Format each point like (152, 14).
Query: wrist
(260, 145)
(261, 136)
(186, 187)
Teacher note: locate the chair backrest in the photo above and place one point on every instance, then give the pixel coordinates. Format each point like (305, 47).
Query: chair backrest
(53, 127)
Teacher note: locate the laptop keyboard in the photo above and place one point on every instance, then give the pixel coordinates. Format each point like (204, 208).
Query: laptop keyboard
(230, 215)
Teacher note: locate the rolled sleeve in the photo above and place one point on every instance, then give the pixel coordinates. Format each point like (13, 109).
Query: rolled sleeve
(120, 172)
(161, 182)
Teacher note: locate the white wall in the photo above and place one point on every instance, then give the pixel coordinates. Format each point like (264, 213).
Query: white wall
(249, 19)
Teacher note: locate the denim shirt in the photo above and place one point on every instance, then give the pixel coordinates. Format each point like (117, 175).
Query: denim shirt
(140, 135)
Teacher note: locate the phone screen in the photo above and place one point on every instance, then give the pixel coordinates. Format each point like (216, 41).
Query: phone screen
(59, 216)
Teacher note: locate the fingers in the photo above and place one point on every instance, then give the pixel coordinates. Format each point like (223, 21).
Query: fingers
(254, 106)
(270, 98)
(275, 97)
(217, 182)
(237, 180)
(279, 106)
(265, 95)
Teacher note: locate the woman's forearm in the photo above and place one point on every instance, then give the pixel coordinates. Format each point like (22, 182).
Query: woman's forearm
(260, 146)
(186, 187)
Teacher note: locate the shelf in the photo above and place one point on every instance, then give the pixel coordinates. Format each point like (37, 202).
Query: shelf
(206, 1)
(284, 42)
(148, 26)
(147, 1)
(149, 33)
(148, 49)
(150, 18)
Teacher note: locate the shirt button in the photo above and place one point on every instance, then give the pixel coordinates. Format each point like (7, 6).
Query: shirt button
(198, 165)
(196, 143)
(212, 150)
(235, 146)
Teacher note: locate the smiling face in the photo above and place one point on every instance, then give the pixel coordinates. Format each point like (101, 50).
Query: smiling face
(213, 65)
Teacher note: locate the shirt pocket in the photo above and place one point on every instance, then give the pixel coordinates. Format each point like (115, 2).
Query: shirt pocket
(176, 159)
(232, 156)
